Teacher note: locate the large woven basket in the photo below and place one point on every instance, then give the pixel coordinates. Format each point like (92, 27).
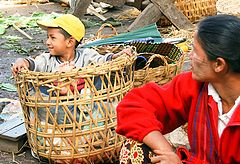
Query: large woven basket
(194, 10)
(164, 61)
(79, 126)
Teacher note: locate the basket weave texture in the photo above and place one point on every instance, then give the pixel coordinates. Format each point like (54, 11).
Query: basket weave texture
(113, 48)
(79, 126)
(194, 10)
(164, 61)
(103, 33)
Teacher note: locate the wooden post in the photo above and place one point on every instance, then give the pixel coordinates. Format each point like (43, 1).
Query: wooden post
(117, 3)
(138, 4)
(177, 18)
(81, 8)
(158, 8)
(149, 15)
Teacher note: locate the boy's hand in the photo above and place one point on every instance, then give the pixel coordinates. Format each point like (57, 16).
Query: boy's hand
(66, 67)
(19, 65)
(127, 51)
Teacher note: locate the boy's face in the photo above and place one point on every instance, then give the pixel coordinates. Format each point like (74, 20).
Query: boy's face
(56, 42)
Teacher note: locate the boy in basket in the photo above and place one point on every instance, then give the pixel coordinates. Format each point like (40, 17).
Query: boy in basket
(65, 33)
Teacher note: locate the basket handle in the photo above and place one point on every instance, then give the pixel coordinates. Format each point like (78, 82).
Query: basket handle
(153, 57)
(99, 34)
(146, 68)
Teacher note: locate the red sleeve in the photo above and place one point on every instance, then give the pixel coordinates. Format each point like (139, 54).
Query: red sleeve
(153, 107)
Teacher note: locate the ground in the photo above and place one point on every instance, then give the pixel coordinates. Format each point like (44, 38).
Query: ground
(35, 47)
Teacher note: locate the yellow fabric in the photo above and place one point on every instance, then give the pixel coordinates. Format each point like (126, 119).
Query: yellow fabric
(69, 23)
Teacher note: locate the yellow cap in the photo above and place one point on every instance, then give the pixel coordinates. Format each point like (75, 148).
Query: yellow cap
(69, 23)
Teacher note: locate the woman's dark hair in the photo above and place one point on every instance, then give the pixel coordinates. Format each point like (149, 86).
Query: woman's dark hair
(219, 36)
(67, 35)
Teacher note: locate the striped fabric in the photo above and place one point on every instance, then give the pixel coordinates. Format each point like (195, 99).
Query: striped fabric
(203, 146)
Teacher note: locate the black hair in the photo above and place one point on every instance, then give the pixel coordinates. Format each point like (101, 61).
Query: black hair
(67, 35)
(219, 36)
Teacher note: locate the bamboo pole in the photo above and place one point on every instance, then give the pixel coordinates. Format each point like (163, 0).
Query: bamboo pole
(22, 32)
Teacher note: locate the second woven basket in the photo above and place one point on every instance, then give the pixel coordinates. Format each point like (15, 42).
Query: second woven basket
(163, 62)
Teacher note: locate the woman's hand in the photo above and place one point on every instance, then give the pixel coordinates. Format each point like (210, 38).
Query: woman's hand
(165, 157)
(162, 148)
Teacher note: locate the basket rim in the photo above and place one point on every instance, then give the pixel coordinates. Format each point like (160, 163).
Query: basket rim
(91, 69)
(175, 63)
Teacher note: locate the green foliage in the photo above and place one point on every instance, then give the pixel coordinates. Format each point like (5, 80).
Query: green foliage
(23, 21)
(12, 38)
(8, 87)
(88, 23)
(13, 42)
(2, 30)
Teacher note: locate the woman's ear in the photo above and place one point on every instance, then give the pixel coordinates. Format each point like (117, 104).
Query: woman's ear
(220, 65)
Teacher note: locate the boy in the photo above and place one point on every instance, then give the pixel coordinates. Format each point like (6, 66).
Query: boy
(64, 34)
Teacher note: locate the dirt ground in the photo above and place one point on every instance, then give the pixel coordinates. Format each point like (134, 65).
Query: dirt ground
(8, 56)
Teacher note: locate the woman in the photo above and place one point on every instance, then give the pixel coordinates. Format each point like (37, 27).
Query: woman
(207, 98)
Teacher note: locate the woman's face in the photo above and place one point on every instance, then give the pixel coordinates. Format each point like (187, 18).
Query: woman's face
(200, 65)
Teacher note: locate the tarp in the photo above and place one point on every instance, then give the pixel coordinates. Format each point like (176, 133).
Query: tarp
(148, 32)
